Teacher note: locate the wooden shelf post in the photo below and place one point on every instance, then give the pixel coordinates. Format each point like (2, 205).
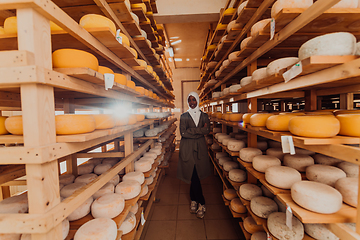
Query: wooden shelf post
(252, 108)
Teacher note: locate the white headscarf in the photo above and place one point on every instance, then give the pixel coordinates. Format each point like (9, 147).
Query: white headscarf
(194, 113)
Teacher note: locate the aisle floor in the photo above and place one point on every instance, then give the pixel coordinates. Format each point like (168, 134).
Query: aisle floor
(170, 218)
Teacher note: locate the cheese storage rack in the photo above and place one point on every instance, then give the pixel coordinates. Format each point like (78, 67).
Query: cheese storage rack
(321, 76)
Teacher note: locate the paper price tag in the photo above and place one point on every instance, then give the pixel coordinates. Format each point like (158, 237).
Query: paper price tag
(289, 216)
(118, 37)
(287, 144)
(142, 219)
(109, 80)
(293, 72)
(272, 28)
(268, 236)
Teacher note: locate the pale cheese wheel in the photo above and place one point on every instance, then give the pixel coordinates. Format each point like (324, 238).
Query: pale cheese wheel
(136, 175)
(2, 125)
(233, 25)
(222, 160)
(74, 124)
(237, 206)
(298, 161)
(134, 209)
(230, 194)
(66, 179)
(247, 154)
(95, 161)
(144, 191)
(128, 189)
(233, 55)
(101, 168)
(107, 188)
(149, 180)
(140, 117)
(225, 141)
(325, 160)
(262, 145)
(303, 151)
(237, 175)
(348, 187)
(236, 145)
(82, 210)
(236, 117)
(150, 158)
(157, 151)
(259, 74)
(316, 197)
(332, 44)
(259, 119)
(241, 7)
(229, 165)
(275, 66)
(143, 165)
(99, 228)
(245, 42)
(85, 168)
(115, 180)
(278, 122)
(220, 137)
(274, 144)
(135, 17)
(276, 224)
(351, 169)
(226, 63)
(262, 162)
(263, 206)
(129, 223)
(86, 178)
(219, 155)
(249, 191)
(73, 58)
(319, 231)
(259, 236)
(215, 146)
(139, 133)
(111, 161)
(282, 176)
(109, 205)
(259, 26)
(251, 226)
(346, 4)
(14, 125)
(69, 189)
(90, 21)
(266, 192)
(65, 228)
(349, 124)
(280, 4)
(324, 174)
(14, 204)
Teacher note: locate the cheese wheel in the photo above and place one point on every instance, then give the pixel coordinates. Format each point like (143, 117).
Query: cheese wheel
(121, 120)
(130, 84)
(104, 121)
(319, 231)
(229, 165)
(157, 151)
(115, 180)
(134, 52)
(274, 144)
(107, 188)
(144, 191)
(236, 117)
(259, 74)
(143, 165)
(82, 210)
(85, 168)
(87, 178)
(151, 155)
(14, 204)
(275, 66)
(229, 11)
(241, 7)
(149, 180)
(136, 175)
(135, 17)
(324, 174)
(132, 119)
(346, 4)
(234, 88)
(2, 31)
(2, 126)
(245, 42)
(259, 26)
(101, 168)
(111, 161)
(230, 194)
(69, 189)
(65, 228)
(95, 161)
(267, 193)
(279, 122)
(233, 25)
(276, 224)
(140, 117)
(259, 119)
(241, 137)
(259, 236)
(298, 161)
(351, 169)
(263, 206)
(237, 175)
(109, 205)
(332, 44)
(246, 117)
(221, 26)
(89, 21)
(225, 141)
(73, 58)
(66, 179)
(129, 223)
(74, 124)
(233, 55)
(235, 145)
(349, 124)
(325, 160)
(222, 160)
(280, 4)
(104, 70)
(10, 25)
(282, 176)
(134, 209)
(237, 206)
(215, 146)
(128, 189)
(314, 126)
(262, 162)
(14, 125)
(262, 145)
(222, 137)
(247, 154)
(348, 187)
(249, 191)
(316, 197)
(303, 151)
(251, 226)
(139, 5)
(99, 228)
(226, 63)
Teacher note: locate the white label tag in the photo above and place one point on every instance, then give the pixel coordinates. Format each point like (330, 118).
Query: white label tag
(118, 37)
(288, 217)
(142, 219)
(293, 72)
(287, 144)
(272, 28)
(109, 80)
(268, 236)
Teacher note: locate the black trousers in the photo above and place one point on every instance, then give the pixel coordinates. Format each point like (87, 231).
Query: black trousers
(196, 193)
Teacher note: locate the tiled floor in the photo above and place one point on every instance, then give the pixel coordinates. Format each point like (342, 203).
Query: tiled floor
(170, 218)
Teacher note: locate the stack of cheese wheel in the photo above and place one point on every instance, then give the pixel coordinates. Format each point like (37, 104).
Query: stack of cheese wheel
(263, 206)
(129, 223)
(108, 206)
(276, 224)
(249, 191)
(324, 174)
(348, 187)
(99, 228)
(86, 168)
(128, 189)
(320, 126)
(74, 124)
(237, 206)
(73, 58)
(90, 21)
(247, 154)
(298, 161)
(2, 126)
(282, 176)
(262, 162)
(81, 211)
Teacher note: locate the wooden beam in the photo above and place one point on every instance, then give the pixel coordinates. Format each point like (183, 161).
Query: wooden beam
(347, 101)
(15, 183)
(339, 90)
(101, 155)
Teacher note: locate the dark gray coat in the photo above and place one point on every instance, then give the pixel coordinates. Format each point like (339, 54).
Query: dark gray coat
(193, 148)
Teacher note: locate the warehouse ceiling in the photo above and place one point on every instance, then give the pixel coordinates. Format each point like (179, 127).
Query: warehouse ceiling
(187, 24)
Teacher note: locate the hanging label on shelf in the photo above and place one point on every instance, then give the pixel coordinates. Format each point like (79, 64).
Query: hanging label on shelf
(293, 72)
(287, 144)
(268, 236)
(109, 80)
(118, 37)
(289, 216)
(142, 218)
(272, 28)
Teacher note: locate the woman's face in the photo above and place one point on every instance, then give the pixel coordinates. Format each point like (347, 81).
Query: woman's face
(192, 102)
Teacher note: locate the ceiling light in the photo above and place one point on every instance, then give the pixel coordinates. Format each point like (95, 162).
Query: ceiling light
(176, 42)
(174, 37)
(178, 59)
(170, 51)
(188, 59)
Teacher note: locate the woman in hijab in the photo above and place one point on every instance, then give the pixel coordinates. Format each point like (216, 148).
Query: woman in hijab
(194, 164)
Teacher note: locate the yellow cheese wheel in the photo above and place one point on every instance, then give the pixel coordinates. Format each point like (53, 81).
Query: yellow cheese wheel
(121, 120)
(134, 52)
(73, 58)
(279, 122)
(14, 125)
(221, 26)
(146, 92)
(2, 125)
(142, 62)
(120, 78)
(140, 117)
(125, 40)
(104, 121)
(2, 31)
(74, 124)
(139, 5)
(151, 93)
(349, 124)
(10, 25)
(229, 11)
(320, 126)
(319, 113)
(246, 117)
(104, 70)
(132, 119)
(130, 84)
(211, 47)
(259, 119)
(97, 21)
(55, 27)
(337, 112)
(236, 117)
(140, 90)
(218, 115)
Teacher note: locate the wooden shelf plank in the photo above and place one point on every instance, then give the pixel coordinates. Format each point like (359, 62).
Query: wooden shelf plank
(258, 220)
(255, 173)
(237, 215)
(246, 234)
(139, 12)
(131, 235)
(272, 189)
(132, 28)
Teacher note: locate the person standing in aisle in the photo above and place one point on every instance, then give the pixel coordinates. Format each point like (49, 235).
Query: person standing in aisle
(194, 164)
